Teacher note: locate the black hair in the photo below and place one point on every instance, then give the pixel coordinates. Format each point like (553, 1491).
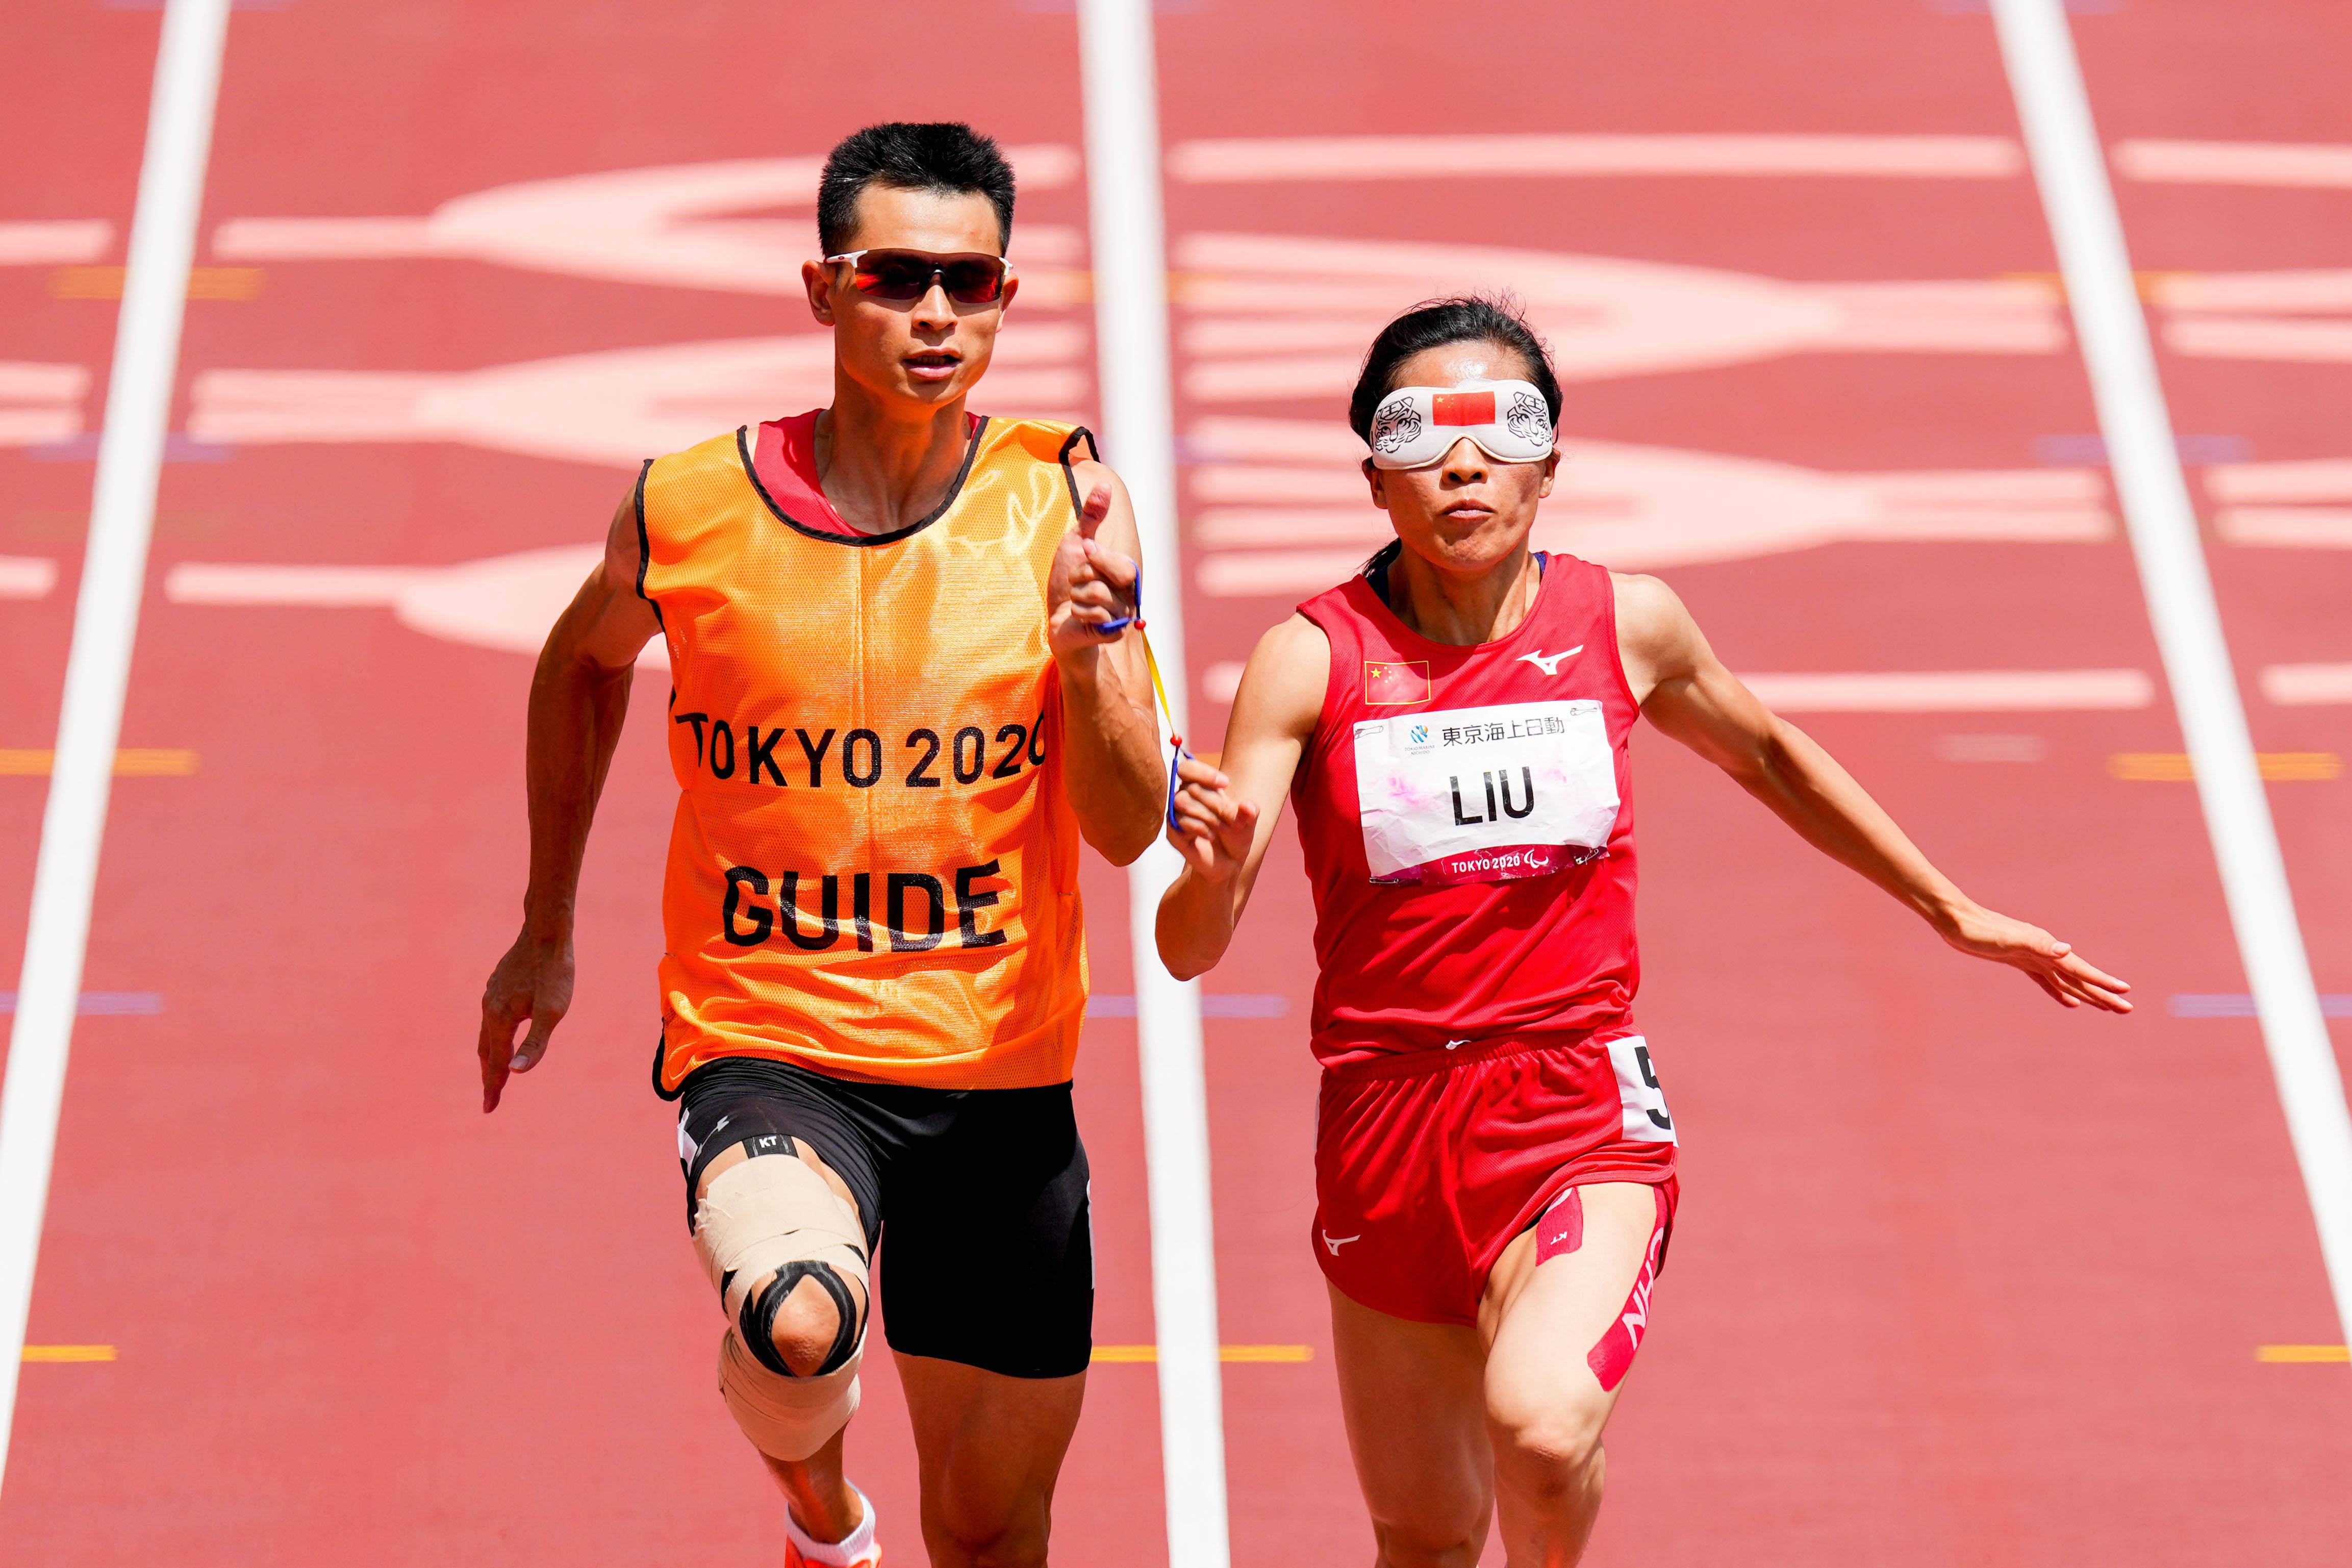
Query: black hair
(950, 158)
(1433, 323)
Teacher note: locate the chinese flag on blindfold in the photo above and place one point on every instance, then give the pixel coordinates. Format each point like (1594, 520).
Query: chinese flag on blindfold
(1394, 683)
(1463, 408)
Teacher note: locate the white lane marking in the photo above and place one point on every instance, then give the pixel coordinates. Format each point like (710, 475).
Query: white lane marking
(40, 404)
(2300, 685)
(1526, 157)
(1913, 691)
(1279, 319)
(198, 583)
(98, 668)
(678, 225)
(2296, 316)
(2320, 480)
(2260, 338)
(1637, 508)
(2298, 290)
(1284, 316)
(26, 576)
(53, 242)
(504, 602)
(2236, 162)
(2286, 527)
(2039, 52)
(1130, 254)
(609, 407)
(1954, 690)
(2250, 508)
(1992, 748)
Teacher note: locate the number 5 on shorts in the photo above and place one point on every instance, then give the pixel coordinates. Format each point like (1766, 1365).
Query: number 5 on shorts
(1647, 1119)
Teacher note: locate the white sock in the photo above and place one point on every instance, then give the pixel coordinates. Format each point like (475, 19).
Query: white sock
(843, 1553)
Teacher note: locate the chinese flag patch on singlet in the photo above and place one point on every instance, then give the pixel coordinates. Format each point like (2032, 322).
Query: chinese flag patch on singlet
(1394, 683)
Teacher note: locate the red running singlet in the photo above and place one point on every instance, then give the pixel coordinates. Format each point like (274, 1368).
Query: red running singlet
(1467, 819)
(783, 461)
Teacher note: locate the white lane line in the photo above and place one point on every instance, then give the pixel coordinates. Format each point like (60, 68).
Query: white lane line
(1899, 692)
(2080, 205)
(1130, 258)
(26, 576)
(1954, 690)
(2317, 163)
(98, 668)
(2298, 685)
(1530, 157)
(201, 583)
(54, 241)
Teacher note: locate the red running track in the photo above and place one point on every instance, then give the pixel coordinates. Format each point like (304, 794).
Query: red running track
(1961, 1279)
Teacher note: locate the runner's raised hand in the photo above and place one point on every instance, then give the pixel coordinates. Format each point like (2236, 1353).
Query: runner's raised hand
(1091, 583)
(2050, 964)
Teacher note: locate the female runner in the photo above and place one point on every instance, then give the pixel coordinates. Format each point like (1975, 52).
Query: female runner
(1495, 1159)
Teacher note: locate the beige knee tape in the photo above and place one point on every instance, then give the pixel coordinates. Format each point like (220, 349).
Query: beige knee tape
(761, 1214)
(754, 1219)
(785, 1417)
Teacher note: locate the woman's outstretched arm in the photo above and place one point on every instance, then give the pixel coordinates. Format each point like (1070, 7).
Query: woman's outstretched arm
(1687, 693)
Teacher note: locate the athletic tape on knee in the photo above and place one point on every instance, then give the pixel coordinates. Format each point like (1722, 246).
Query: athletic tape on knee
(786, 1418)
(762, 1225)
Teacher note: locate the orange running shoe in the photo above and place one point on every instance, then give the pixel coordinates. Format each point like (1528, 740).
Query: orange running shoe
(858, 1549)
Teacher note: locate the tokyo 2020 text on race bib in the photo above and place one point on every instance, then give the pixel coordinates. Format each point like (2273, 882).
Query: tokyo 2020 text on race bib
(1486, 795)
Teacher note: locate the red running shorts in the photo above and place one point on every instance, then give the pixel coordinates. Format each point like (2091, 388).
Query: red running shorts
(1428, 1164)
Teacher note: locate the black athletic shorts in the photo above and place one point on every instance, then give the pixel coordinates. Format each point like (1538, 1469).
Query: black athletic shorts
(976, 1199)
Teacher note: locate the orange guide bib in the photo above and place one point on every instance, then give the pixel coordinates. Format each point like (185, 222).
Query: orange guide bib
(874, 867)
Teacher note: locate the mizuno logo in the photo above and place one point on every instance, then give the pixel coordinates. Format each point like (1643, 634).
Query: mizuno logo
(1550, 662)
(1336, 1242)
(1452, 1045)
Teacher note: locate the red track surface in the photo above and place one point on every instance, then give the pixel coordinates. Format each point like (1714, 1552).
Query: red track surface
(1961, 1279)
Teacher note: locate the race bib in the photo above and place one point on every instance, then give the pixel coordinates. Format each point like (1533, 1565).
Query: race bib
(1640, 1096)
(1486, 795)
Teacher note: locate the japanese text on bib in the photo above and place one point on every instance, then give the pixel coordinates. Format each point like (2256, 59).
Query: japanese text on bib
(1485, 795)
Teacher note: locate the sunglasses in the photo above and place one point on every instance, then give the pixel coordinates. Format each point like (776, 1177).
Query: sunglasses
(969, 277)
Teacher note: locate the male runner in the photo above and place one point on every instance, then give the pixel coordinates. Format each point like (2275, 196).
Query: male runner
(902, 693)
(1495, 1162)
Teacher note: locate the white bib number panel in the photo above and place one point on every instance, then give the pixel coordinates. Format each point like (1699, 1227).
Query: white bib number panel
(1486, 795)
(1647, 1119)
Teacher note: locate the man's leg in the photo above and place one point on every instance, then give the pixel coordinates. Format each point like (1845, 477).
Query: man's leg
(1416, 1422)
(1558, 1343)
(988, 1295)
(817, 1492)
(990, 1448)
(805, 1334)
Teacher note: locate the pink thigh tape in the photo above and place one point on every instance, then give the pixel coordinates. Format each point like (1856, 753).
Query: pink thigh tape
(1560, 1231)
(1613, 1355)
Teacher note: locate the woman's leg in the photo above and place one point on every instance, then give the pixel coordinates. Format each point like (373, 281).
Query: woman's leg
(1416, 1420)
(1553, 1327)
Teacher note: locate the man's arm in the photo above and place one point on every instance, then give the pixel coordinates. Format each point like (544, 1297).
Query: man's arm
(1114, 775)
(579, 696)
(1225, 814)
(1687, 693)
